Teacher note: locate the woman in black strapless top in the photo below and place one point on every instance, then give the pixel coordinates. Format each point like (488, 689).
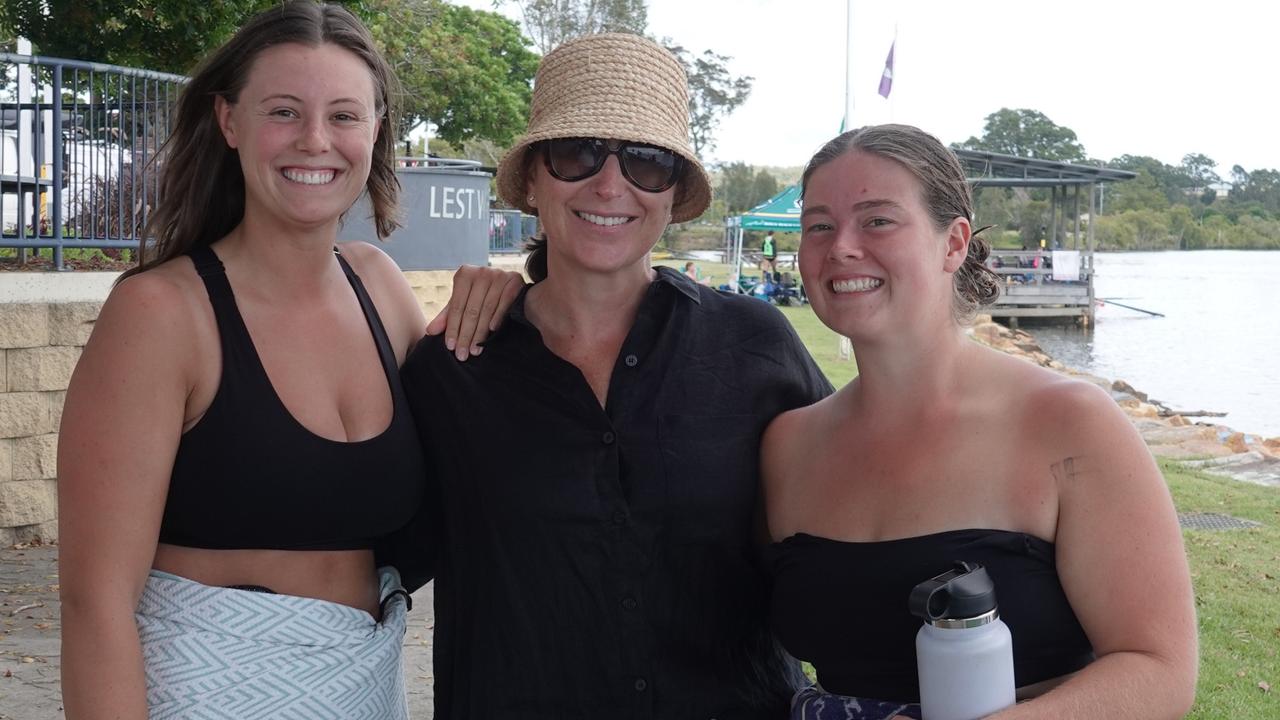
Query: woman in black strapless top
(943, 450)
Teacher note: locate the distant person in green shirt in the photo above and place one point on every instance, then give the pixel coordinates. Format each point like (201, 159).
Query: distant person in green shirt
(769, 253)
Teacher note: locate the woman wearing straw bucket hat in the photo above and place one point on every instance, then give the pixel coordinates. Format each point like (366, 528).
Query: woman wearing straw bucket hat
(602, 536)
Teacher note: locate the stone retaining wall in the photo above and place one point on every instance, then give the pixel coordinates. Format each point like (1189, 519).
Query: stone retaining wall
(40, 343)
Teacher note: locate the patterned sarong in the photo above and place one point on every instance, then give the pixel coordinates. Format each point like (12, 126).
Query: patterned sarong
(812, 703)
(213, 653)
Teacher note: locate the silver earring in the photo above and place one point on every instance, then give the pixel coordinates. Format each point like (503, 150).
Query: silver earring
(531, 202)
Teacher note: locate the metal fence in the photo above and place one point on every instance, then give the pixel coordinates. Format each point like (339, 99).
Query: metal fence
(509, 230)
(77, 140)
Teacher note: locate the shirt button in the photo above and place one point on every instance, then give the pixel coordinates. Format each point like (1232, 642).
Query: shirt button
(641, 684)
(632, 361)
(629, 604)
(607, 438)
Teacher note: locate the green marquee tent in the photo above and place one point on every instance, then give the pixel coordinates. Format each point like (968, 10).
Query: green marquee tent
(780, 212)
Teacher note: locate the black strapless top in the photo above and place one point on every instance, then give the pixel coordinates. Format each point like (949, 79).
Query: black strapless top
(842, 606)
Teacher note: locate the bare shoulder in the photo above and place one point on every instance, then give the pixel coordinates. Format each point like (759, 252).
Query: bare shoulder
(1074, 408)
(786, 434)
(397, 305)
(1088, 444)
(153, 347)
(369, 261)
(167, 301)
(790, 438)
(1040, 397)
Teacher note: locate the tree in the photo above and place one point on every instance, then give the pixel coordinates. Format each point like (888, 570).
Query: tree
(763, 187)
(742, 187)
(468, 71)
(1027, 133)
(1239, 178)
(1200, 171)
(7, 32)
(1170, 181)
(165, 35)
(550, 22)
(713, 93)
(1260, 188)
(736, 180)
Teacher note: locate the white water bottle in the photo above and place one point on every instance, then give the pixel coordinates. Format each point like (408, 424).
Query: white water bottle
(964, 652)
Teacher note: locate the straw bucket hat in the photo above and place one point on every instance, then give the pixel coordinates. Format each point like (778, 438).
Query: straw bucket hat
(614, 86)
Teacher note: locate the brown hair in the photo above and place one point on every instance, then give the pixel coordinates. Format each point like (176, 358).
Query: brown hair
(945, 192)
(202, 186)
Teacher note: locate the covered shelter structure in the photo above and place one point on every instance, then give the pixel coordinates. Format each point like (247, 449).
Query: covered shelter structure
(1053, 279)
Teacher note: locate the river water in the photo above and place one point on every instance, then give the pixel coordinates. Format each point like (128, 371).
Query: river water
(1216, 347)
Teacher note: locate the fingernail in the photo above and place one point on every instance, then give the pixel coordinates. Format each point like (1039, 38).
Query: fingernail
(476, 350)
(461, 354)
(449, 343)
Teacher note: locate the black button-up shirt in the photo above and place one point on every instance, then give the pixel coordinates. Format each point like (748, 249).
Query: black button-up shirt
(602, 562)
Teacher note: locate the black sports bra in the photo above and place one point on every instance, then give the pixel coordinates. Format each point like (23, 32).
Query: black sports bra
(843, 606)
(248, 475)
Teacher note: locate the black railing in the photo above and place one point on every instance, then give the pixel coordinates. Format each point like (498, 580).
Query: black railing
(77, 148)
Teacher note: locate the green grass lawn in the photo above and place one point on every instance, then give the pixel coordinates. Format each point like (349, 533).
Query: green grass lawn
(1237, 582)
(1236, 573)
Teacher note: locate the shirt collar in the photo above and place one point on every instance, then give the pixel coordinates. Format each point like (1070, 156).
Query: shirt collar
(679, 281)
(665, 275)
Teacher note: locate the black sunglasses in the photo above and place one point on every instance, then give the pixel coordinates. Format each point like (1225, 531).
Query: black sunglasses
(650, 168)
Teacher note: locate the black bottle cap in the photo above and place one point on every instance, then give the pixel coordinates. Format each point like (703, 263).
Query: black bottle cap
(965, 591)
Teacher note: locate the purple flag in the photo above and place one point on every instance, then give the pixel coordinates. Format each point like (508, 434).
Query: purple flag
(886, 78)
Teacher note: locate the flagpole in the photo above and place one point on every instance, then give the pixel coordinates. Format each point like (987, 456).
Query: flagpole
(892, 103)
(847, 124)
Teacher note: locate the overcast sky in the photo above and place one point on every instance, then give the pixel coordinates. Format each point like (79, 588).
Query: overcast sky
(1145, 78)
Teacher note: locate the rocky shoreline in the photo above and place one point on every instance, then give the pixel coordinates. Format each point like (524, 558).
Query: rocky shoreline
(1210, 446)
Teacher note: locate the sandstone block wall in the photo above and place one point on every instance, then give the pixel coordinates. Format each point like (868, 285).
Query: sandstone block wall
(40, 343)
(39, 346)
(432, 287)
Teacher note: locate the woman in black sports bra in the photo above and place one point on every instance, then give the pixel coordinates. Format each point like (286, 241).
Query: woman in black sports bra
(236, 442)
(943, 450)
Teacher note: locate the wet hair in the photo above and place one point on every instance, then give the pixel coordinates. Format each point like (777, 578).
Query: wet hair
(202, 189)
(945, 192)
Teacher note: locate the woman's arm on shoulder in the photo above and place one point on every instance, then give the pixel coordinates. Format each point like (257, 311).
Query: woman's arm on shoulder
(1121, 562)
(121, 423)
(477, 306)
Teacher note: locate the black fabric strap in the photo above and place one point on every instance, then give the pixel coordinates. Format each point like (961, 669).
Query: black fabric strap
(213, 274)
(380, 338)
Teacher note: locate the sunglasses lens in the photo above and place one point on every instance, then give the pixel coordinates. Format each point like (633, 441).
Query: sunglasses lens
(573, 159)
(650, 168)
(647, 167)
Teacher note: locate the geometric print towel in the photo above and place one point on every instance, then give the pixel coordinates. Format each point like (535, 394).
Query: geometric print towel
(813, 703)
(214, 653)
